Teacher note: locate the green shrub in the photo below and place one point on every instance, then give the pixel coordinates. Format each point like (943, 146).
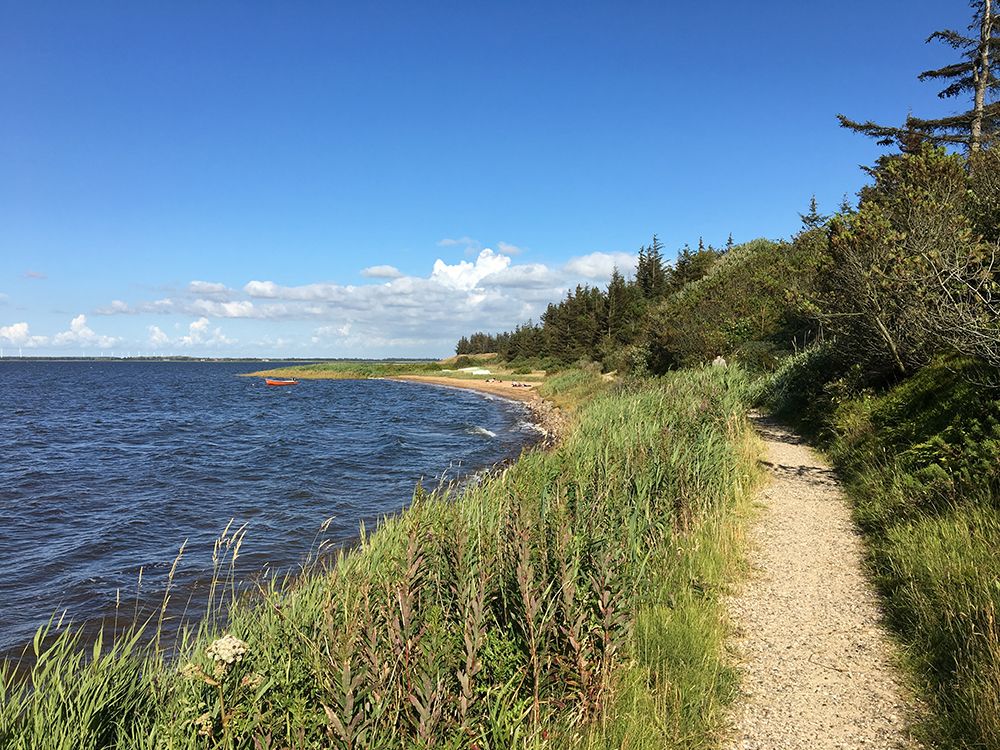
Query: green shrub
(466, 361)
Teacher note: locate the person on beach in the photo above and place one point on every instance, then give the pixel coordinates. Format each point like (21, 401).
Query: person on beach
(719, 361)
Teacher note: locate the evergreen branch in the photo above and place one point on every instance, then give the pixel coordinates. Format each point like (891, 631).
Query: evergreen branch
(949, 71)
(952, 38)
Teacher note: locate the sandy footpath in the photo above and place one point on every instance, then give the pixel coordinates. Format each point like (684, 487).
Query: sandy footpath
(816, 663)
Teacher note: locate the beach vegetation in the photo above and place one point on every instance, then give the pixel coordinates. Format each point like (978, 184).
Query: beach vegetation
(350, 370)
(574, 599)
(747, 301)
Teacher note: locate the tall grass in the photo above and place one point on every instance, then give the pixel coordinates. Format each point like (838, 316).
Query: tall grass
(571, 601)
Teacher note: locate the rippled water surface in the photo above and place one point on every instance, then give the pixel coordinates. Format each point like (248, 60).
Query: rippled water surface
(106, 468)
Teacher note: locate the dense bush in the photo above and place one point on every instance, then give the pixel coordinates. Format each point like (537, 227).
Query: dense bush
(908, 277)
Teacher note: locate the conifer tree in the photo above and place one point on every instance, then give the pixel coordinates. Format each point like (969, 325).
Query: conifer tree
(650, 275)
(617, 301)
(975, 74)
(814, 219)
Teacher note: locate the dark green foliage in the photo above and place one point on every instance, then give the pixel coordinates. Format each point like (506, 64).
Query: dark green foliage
(749, 296)
(690, 267)
(808, 387)
(466, 361)
(945, 430)
(907, 276)
(573, 328)
(983, 202)
(482, 343)
(814, 219)
(650, 275)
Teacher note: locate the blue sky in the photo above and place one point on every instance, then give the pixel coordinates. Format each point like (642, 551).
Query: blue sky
(377, 179)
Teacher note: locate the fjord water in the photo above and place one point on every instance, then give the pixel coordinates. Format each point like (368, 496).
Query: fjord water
(106, 468)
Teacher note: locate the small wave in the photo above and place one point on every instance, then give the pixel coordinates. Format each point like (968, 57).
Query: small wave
(481, 431)
(524, 425)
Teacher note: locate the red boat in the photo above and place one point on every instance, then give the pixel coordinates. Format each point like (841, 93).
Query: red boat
(281, 381)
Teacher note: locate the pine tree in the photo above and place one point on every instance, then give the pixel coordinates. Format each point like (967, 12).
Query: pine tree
(617, 300)
(814, 219)
(974, 74)
(691, 266)
(650, 275)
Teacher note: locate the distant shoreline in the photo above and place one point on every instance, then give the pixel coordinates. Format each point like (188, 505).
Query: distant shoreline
(503, 389)
(549, 420)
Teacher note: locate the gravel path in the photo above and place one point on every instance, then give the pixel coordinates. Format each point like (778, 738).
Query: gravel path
(817, 667)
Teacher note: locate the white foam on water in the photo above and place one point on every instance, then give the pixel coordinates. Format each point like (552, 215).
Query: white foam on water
(481, 431)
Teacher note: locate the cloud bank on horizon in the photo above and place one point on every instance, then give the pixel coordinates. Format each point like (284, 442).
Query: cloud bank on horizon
(403, 315)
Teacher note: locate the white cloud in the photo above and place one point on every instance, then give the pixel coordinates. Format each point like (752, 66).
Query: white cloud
(489, 293)
(467, 241)
(326, 332)
(80, 334)
(116, 307)
(18, 335)
(270, 290)
(190, 308)
(506, 249)
(3, 298)
(157, 338)
(35, 275)
(598, 266)
(198, 334)
(467, 275)
(381, 272)
(212, 291)
(528, 276)
(261, 289)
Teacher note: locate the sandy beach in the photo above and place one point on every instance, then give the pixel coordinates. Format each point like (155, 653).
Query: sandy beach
(504, 389)
(549, 420)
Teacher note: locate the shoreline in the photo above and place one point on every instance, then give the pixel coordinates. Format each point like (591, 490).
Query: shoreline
(549, 420)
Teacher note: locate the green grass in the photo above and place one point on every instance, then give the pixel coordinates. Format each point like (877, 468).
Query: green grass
(573, 600)
(363, 370)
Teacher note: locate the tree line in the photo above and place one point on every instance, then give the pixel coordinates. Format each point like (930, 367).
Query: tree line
(599, 324)
(907, 272)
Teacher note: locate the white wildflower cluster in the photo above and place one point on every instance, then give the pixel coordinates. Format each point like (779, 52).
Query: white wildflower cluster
(227, 649)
